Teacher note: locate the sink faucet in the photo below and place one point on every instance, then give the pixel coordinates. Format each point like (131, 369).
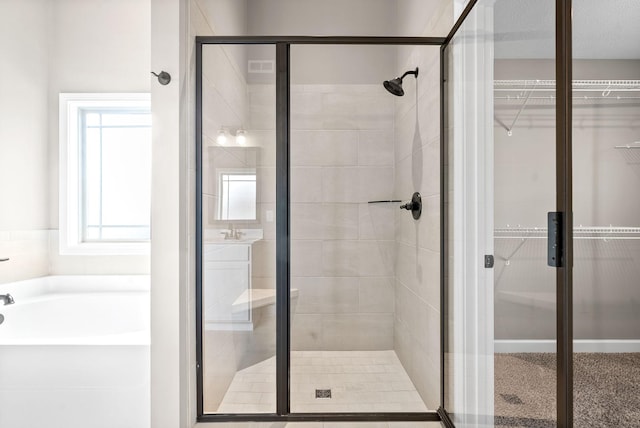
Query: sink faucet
(232, 233)
(7, 298)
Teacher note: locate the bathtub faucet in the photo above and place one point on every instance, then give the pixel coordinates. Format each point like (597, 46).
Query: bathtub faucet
(7, 298)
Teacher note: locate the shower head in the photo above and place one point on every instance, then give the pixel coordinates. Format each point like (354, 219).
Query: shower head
(395, 85)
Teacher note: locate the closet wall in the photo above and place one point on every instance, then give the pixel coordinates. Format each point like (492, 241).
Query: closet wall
(606, 210)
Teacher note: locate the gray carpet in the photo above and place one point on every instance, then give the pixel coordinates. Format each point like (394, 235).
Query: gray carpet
(606, 390)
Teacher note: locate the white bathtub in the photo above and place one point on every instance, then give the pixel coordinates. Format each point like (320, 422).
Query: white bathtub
(74, 353)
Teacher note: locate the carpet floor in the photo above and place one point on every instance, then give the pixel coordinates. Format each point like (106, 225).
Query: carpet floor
(606, 390)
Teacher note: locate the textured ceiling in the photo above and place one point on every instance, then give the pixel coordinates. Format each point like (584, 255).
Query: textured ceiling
(603, 29)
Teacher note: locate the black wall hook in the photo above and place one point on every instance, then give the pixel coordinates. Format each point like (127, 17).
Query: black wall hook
(163, 78)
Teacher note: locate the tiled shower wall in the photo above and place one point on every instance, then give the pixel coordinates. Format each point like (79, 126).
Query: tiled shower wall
(224, 104)
(342, 261)
(342, 247)
(417, 168)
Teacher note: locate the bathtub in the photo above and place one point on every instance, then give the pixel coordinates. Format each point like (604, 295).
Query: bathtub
(74, 353)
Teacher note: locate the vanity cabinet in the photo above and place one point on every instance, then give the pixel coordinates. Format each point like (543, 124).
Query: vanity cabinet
(226, 277)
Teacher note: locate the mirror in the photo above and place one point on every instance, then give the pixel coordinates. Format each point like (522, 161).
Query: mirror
(232, 183)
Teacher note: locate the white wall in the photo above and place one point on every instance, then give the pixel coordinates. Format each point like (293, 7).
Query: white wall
(322, 18)
(48, 48)
(172, 213)
(23, 114)
(429, 18)
(23, 138)
(94, 46)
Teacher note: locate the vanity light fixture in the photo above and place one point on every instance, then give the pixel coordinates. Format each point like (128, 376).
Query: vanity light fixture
(231, 136)
(222, 137)
(241, 137)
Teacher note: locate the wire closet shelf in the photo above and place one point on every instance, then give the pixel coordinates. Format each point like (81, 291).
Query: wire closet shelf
(603, 233)
(521, 94)
(582, 89)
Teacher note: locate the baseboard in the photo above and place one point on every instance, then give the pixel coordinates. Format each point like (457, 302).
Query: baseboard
(520, 346)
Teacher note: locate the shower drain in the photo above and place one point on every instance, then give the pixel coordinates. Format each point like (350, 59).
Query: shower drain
(323, 393)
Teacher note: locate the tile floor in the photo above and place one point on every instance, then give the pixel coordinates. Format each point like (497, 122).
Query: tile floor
(360, 381)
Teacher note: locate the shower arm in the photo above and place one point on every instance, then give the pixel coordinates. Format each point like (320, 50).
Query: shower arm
(414, 72)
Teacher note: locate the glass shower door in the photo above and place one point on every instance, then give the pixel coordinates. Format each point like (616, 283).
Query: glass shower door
(500, 351)
(364, 274)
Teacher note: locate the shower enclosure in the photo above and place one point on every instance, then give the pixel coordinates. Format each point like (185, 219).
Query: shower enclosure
(318, 298)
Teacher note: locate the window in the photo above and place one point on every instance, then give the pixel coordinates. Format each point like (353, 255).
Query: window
(237, 200)
(105, 173)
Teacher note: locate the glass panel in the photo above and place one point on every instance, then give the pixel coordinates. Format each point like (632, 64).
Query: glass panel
(364, 275)
(132, 118)
(500, 361)
(238, 224)
(92, 119)
(606, 168)
(126, 176)
(117, 182)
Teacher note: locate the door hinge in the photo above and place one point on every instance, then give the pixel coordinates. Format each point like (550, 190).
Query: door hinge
(554, 239)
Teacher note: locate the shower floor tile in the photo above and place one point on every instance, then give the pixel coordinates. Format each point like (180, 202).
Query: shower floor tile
(360, 381)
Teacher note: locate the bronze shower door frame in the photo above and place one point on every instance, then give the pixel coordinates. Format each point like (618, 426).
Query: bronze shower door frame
(283, 237)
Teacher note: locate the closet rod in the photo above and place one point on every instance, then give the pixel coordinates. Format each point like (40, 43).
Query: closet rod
(578, 229)
(598, 238)
(610, 233)
(635, 145)
(606, 87)
(614, 89)
(551, 97)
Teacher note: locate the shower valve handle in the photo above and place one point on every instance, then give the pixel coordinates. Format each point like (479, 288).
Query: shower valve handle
(415, 205)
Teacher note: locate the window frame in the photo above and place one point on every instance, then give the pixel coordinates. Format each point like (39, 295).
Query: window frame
(71, 217)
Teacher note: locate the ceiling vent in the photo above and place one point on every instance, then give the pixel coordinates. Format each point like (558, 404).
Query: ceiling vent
(261, 66)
